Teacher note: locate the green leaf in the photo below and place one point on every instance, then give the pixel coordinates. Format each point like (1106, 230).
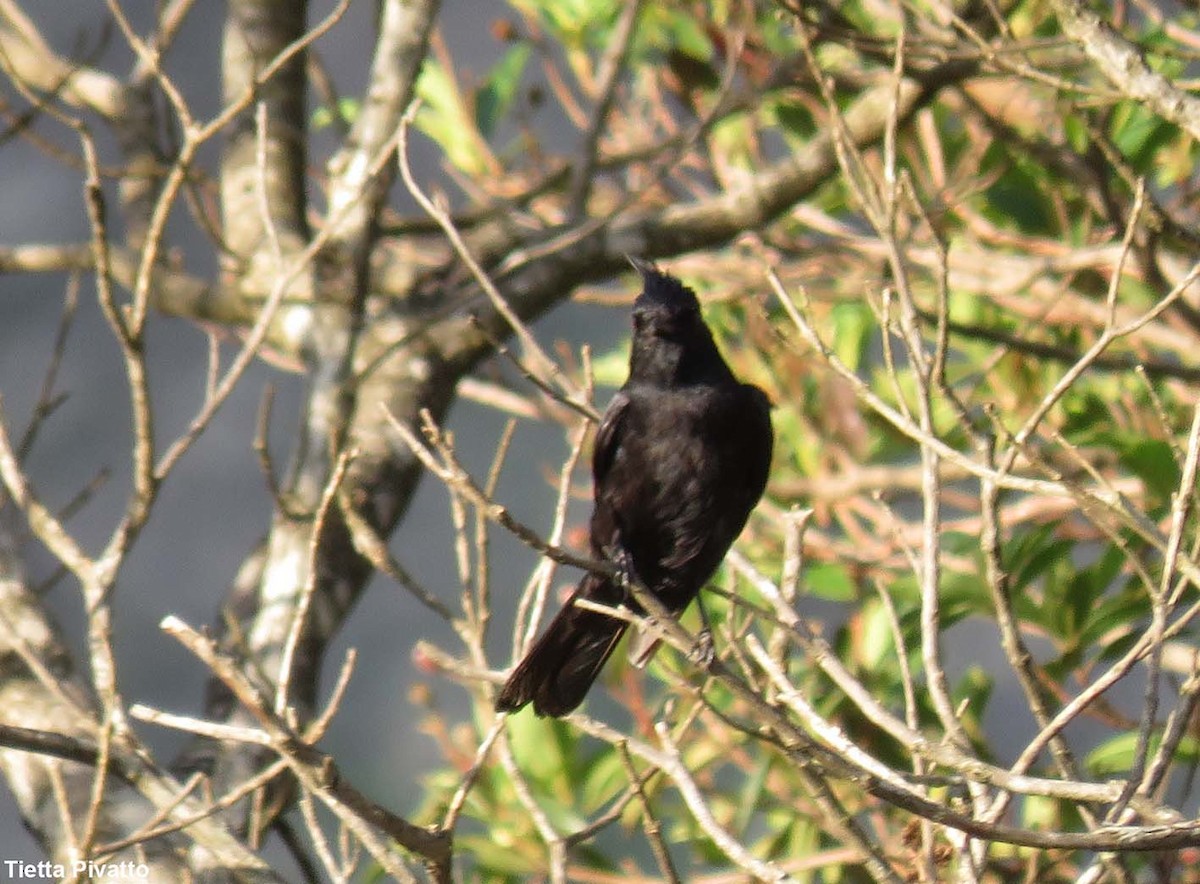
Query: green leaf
(1040, 813)
(1077, 133)
(688, 37)
(830, 581)
(1114, 611)
(751, 792)
(496, 854)
(494, 99)
(348, 109)
(1114, 649)
(876, 646)
(852, 325)
(1151, 461)
(603, 780)
(1080, 598)
(1032, 553)
(1016, 198)
(1087, 417)
(734, 136)
(443, 118)
(1116, 754)
(795, 118)
(542, 746)
(573, 22)
(1139, 133)
(963, 594)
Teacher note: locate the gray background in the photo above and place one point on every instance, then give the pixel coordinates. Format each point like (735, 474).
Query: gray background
(215, 506)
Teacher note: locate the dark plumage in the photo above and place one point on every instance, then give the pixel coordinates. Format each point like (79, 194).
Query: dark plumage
(680, 459)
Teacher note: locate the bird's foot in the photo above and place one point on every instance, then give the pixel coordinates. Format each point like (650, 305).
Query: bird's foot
(627, 576)
(704, 651)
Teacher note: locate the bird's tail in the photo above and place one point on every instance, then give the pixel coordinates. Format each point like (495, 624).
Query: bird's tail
(560, 667)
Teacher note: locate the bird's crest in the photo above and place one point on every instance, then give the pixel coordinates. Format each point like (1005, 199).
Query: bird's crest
(661, 291)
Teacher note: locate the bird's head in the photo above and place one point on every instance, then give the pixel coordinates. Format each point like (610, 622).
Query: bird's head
(671, 343)
(666, 308)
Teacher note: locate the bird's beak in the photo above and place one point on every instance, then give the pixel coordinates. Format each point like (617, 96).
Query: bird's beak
(641, 265)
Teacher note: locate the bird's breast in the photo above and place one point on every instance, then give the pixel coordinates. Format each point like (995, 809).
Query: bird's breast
(676, 495)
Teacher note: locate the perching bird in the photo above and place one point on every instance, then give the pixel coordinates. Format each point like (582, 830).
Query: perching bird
(680, 460)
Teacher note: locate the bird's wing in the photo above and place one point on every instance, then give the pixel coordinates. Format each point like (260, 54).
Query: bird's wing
(758, 456)
(608, 437)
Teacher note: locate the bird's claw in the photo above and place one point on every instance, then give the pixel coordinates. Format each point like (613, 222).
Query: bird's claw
(704, 651)
(626, 574)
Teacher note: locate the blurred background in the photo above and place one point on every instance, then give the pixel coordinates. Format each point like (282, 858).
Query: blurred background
(969, 157)
(216, 505)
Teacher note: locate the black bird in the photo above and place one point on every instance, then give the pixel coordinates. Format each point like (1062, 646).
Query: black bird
(680, 459)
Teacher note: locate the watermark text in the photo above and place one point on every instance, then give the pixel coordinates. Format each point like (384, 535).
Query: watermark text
(19, 870)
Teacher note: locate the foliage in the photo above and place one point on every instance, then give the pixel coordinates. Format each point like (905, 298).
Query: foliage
(1002, 221)
(954, 243)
